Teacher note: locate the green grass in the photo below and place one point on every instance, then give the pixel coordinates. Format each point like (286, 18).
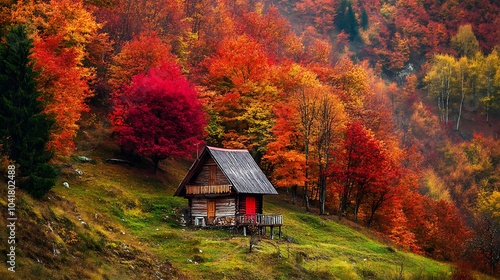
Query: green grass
(133, 233)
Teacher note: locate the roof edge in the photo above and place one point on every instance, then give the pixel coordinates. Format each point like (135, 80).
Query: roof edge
(228, 150)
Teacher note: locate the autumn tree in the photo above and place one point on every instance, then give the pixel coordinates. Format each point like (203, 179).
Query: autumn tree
(439, 82)
(364, 172)
(271, 30)
(321, 14)
(491, 98)
(465, 42)
(62, 30)
(127, 19)
(24, 128)
(289, 151)
(137, 56)
(285, 150)
(239, 72)
(442, 233)
(65, 89)
(162, 116)
(328, 129)
(485, 243)
(308, 105)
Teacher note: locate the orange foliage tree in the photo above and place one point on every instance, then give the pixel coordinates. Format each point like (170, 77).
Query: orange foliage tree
(285, 151)
(138, 56)
(65, 89)
(239, 72)
(62, 30)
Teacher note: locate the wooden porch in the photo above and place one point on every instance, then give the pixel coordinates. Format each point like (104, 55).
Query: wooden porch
(261, 221)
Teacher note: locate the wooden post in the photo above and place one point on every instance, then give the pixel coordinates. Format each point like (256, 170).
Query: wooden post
(244, 231)
(272, 232)
(280, 232)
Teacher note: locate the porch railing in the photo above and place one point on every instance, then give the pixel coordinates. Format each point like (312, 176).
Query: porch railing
(213, 189)
(261, 219)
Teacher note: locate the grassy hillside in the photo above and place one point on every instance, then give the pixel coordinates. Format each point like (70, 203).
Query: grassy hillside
(121, 222)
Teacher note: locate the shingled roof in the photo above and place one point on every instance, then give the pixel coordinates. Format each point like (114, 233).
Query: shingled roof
(238, 166)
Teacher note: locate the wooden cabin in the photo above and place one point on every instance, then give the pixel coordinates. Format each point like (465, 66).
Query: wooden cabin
(226, 187)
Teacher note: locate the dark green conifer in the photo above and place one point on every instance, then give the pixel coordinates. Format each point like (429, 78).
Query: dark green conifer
(24, 128)
(364, 19)
(346, 19)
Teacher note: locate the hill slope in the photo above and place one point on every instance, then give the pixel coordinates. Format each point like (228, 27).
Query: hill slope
(121, 222)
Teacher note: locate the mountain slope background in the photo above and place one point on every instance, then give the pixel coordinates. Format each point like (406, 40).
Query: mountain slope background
(122, 222)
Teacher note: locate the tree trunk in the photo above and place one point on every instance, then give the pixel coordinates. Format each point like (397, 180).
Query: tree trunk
(156, 161)
(322, 193)
(461, 104)
(306, 184)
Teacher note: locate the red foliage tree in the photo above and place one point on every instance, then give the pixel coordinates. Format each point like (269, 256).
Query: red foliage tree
(162, 116)
(440, 232)
(365, 172)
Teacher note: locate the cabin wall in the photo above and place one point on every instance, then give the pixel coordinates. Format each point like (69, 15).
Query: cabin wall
(198, 207)
(203, 177)
(225, 206)
(225, 210)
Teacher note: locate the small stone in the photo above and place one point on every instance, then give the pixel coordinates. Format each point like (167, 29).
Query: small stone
(56, 252)
(83, 159)
(66, 184)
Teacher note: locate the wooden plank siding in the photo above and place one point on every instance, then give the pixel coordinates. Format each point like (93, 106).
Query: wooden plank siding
(199, 207)
(225, 210)
(225, 207)
(203, 177)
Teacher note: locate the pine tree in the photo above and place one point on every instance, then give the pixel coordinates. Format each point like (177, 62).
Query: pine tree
(364, 19)
(24, 128)
(346, 19)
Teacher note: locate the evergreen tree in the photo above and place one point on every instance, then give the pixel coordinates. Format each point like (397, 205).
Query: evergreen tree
(346, 19)
(24, 128)
(351, 22)
(364, 19)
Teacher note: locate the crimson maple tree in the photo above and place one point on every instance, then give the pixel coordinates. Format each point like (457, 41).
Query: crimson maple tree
(364, 172)
(160, 114)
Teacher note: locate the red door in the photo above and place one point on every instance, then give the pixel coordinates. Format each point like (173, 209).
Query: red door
(250, 208)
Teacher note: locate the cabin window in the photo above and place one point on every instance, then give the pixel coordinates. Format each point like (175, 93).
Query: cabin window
(212, 174)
